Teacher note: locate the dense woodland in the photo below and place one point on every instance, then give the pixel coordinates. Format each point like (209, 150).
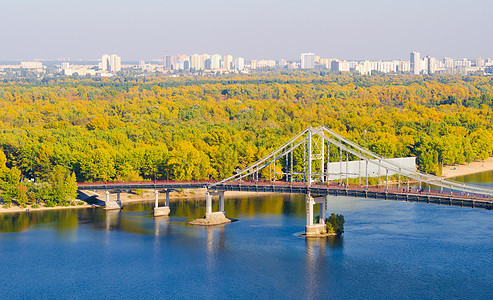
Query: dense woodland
(59, 131)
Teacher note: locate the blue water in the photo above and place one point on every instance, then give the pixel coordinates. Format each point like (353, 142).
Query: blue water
(388, 250)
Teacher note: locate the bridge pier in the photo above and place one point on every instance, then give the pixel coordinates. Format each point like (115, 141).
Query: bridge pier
(107, 202)
(208, 203)
(310, 228)
(161, 211)
(110, 205)
(213, 218)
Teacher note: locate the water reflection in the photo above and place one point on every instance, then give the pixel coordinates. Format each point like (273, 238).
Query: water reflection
(137, 217)
(61, 220)
(215, 241)
(316, 260)
(483, 178)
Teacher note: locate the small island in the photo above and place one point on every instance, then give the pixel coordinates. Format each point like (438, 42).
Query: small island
(334, 226)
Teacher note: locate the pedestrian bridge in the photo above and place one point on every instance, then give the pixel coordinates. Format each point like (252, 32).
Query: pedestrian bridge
(305, 165)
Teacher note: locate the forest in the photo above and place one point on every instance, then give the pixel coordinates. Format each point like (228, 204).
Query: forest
(56, 132)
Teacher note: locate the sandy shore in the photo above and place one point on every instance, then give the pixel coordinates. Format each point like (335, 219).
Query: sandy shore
(467, 169)
(198, 194)
(15, 209)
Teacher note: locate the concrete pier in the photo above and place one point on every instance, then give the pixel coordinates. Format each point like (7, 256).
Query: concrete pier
(111, 205)
(161, 211)
(213, 218)
(312, 229)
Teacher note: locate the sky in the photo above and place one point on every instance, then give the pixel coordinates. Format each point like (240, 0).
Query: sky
(260, 29)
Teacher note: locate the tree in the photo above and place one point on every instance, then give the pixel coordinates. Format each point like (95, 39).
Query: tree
(10, 183)
(63, 185)
(335, 224)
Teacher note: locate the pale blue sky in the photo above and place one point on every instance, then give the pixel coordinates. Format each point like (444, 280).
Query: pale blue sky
(271, 29)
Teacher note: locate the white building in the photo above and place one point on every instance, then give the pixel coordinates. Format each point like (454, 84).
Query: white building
(239, 63)
(196, 62)
(340, 66)
(228, 62)
(415, 63)
(266, 63)
(31, 65)
(431, 65)
(111, 63)
(307, 60)
(215, 61)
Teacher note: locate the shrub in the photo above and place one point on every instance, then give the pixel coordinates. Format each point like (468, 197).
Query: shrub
(49, 203)
(335, 224)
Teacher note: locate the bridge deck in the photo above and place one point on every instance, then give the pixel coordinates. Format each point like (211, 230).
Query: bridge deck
(376, 192)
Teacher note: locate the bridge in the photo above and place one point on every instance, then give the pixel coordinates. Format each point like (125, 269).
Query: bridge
(316, 163)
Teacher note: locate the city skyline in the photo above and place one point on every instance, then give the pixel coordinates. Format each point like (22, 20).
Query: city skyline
(355, 30)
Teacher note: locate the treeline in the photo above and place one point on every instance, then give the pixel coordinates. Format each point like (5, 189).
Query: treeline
(199, 128)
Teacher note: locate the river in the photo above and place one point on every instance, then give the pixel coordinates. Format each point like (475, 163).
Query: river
(388, 250)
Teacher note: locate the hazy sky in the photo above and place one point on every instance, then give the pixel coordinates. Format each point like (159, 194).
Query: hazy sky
(270, 29)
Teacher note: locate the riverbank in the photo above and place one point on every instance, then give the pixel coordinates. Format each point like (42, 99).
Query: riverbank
(29, 208)
(199, 194)
(145, 196)
(468, 169)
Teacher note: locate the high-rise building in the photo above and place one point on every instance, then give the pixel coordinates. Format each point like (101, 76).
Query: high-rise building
(205, 61)
(105, 62)
(115, 63)
(195, 62)
(228, 61)
(110, 63)
(239, 63)
(340, 66)
(215, 61)
(307, 60)
(415, 63)
(479, 62)
(431, 65)
(253, 64)
(167, 62)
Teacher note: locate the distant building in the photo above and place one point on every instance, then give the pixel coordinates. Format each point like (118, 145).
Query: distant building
(480, 62)
(415, 63)
(282, 63)
(31, 65)
(253, 64)
(327, 62)
(239, 63)
(307, 60)
(167, 62)
(266, 63)
(111, 63)
(340, 66)
(228, 62)
(431, 65)
(196, 62)
(215, 61)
